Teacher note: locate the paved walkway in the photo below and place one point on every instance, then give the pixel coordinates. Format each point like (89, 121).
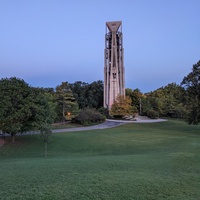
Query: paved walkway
(109, 123)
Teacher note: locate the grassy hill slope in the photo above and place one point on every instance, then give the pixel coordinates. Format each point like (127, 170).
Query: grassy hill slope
(133, 161)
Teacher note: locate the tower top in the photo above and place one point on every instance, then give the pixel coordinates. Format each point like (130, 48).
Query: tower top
(113, 26)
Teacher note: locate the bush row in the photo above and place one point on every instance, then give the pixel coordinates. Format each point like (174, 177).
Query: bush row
(88, 116)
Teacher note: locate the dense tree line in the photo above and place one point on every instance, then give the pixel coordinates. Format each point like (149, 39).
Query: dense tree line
(74, 97)
(168, 101)
(24, 108)
(88, 95)
(173, 100)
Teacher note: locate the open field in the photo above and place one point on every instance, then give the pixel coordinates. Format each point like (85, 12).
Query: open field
(133, 161)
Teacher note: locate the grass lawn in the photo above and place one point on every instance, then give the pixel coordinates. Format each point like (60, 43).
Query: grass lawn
(133, 161)
(65, 125)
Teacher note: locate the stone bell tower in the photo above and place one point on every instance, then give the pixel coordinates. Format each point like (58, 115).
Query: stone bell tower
(114, 83)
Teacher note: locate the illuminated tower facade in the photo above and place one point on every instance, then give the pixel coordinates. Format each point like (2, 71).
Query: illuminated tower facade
(114, 83)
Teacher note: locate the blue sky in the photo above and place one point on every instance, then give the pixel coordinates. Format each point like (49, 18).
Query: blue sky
(46, 42)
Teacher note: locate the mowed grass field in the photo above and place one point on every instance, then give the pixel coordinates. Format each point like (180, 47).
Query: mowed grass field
(133, 161)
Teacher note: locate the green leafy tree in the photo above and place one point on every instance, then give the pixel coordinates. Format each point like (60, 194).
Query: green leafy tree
(166, 101)
(44, 109)
(20, 108)
(191, 83)
(67, 106)
(78, 89)
(152, 103)
(94, 94)
(15, 106)
(88, 95)
(45, 132)
(136, 97)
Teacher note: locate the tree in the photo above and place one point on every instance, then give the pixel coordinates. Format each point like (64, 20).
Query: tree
(166, 101)
(94, 94)
(88, 95)
(22, 107)
(136, 97)
(122, 106)
(45, 132)
(67, 105)
(44, 109)
(191, 84)
(78, 89)
(15, 106)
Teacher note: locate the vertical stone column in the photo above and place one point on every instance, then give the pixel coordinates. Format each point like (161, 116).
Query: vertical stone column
(114, 83)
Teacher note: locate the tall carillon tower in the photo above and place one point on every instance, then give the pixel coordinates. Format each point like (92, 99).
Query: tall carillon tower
(113, 63)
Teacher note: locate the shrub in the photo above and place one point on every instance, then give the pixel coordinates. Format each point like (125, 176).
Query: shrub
(104, 111)
(89, 116)
(118, 116)
(152, 114)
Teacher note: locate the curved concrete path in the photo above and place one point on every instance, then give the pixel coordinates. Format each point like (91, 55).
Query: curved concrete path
(109, 123)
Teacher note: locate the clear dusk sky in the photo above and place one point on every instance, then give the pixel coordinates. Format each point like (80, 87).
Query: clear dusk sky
(46, 42)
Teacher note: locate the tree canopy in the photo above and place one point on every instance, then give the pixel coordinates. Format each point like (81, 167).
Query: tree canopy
(136, 96)
(122, 106)
(167, 101)
(67, 106)
(191, 83)
(22, 107)
(88, 95)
